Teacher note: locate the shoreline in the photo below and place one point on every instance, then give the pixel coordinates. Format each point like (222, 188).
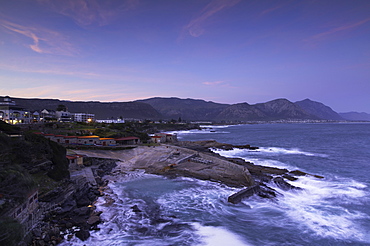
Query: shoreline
(194, 160)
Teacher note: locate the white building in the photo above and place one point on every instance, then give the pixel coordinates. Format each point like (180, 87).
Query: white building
(63, 116)
(84, 117)
(13, 114)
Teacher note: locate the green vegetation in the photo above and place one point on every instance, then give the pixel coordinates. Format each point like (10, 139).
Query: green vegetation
(114, 130)
(11, 232)
(28, 162)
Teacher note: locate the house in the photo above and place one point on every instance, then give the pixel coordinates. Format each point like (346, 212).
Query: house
(63, 116)
(35, 116)
(47, 115)
(158, 139)
(75, 160)
(166, 138)
(49, 136)
(84, 117)
(128, 140)
(58, 138)
(107, 141)
(13, 114)
(88, 140)
(70, 140)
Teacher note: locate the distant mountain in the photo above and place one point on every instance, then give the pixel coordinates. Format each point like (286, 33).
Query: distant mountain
(194, 109)
(240, 112)
(278, 109)
(356, 116)
(318, 109)
(102, 110)
(188, 109)
(284, 109)
(191, 109)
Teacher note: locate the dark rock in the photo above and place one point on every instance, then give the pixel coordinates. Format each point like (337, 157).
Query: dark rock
(289, 177)
(83, 202)
(160, 220)
(68, 206)
(298, 173)
(136, 209)
(37, 232)
(82, 211)
(83, 234)
(93, 220)
(282, 184)
(142, 229)
(266, 192)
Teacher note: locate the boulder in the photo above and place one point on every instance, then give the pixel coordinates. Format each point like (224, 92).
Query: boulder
(83, 234)
(94, 219)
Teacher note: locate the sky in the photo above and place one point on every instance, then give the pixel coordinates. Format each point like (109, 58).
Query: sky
(225, 51)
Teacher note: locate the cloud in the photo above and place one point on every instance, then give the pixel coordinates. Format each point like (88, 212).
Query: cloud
(44, 40)
(90, 12)
(213, 83)
(332, 31)
(218, 84)
(195, 26)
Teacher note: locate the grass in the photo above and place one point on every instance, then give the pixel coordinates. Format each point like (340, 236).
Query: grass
(44, 183)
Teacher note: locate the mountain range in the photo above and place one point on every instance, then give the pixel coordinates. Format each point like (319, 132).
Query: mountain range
(159, 108)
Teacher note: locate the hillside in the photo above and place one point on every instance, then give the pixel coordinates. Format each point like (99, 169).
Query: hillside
(189, 109)
(102, 110)
(318, 109)
(193, 109)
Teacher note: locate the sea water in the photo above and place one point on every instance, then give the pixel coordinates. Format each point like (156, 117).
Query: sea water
(153, 210)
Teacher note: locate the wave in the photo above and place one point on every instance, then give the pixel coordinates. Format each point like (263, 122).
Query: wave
(321, 207)
(211, 126)
(269, 151)
(196, 131)
(217, 236)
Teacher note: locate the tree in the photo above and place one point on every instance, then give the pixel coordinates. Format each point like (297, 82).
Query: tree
(61, 107)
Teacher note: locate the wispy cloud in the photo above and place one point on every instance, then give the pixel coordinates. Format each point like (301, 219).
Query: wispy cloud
(44, 40)
(213, 82)
(328, 33)
(90, 12)
(195, 27)
(219, 83)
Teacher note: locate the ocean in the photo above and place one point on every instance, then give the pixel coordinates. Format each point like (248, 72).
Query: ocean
(153, 210)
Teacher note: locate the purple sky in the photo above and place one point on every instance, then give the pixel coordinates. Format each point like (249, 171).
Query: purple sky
(226, 51)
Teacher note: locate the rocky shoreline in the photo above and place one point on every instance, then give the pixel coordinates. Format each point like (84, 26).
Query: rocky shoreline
(74, 214)
(71, 207)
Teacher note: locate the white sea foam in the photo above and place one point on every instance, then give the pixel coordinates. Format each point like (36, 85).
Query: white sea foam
(212, 126)
(217, 236)
(197, 131)
(269, 151)
(316, 207)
